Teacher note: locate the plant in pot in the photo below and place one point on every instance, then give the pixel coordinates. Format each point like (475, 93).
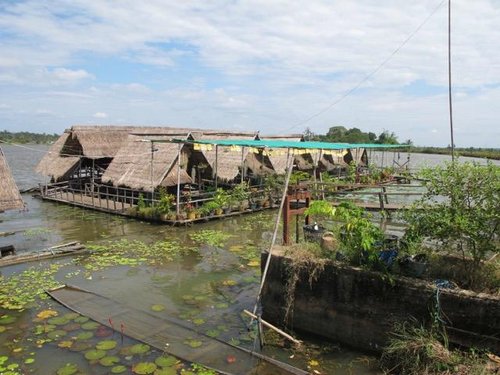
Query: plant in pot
(240, 195)
(190, 211)
(209, 208)
(165, 206)
(223, 200)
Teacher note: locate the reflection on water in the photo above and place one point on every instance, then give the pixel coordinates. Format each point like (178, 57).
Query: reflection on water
(207, 288)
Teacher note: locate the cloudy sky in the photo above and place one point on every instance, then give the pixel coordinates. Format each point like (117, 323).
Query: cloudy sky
(269, 65)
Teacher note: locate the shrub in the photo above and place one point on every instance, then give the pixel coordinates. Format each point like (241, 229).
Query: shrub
(461, 210)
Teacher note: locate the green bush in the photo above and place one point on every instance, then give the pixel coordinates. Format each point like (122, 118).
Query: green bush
(461, 210)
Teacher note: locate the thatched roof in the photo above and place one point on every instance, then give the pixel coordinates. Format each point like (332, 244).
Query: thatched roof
(54, 164)
(228, 160)
(278, 158)
(10, 198)
(131, 166)
(357, 155)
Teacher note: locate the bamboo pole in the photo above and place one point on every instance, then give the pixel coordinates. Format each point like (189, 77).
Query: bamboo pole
(274, 328)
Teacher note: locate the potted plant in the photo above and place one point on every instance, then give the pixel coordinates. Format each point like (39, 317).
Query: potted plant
(190, 211)
(240, 195)
(223, 199)
(165, 206)
(208, 208)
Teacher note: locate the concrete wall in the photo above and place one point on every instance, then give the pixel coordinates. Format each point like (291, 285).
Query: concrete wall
(358, 307)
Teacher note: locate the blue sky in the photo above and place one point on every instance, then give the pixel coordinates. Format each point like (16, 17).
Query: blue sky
(253, 65)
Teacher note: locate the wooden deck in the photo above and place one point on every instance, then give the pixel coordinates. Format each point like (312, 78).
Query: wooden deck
(120, 208)
(169, 334)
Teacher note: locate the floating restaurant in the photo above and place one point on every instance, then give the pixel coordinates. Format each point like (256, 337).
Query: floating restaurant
(170, 174)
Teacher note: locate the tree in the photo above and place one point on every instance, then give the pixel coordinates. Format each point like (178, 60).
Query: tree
(460, 209)
(387, 137)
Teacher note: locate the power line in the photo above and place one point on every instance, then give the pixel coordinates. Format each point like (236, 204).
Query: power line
(373, 72)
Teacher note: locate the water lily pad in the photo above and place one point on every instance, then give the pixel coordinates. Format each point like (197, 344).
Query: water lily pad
(139, 349)
(106, 345)
(166, 361)
(229, 282)
(157, 308)
(7, 319)
(144, 368)
(221, 305)
(193, 343)
(167, 371)
(80, 346)
(65, 344)
(109, 360)
(90, 326)
(212, 333)
(95, 354)
(71, 327)
(68, 369)
(45, 314)
(2, 329)
(81, 319)
(118, 369)
(29, 361)
(254, 263)
(3, 359)
(71, 315)
(84, 335)
(198, 321)
(58, 321)
(56, 334)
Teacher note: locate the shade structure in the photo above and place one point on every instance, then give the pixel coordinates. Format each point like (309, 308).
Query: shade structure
(272, 144)
(10, 199)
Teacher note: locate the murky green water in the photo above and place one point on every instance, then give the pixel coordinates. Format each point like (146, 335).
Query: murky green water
(214, 276)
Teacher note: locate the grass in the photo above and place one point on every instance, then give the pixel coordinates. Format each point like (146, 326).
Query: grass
(416, 350)
(304, 258)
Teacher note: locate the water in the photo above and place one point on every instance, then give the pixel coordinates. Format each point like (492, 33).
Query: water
(207, 287)
(417, 160)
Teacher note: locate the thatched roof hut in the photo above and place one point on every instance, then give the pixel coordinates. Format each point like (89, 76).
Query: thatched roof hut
(55, 163)
(229, 161)
(10, 198)
(136, 166)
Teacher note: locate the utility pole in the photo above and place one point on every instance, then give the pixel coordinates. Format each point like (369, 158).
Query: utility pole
(449, 82)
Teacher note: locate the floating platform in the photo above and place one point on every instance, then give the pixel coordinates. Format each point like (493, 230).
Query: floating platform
(70, 248)
(158, 331)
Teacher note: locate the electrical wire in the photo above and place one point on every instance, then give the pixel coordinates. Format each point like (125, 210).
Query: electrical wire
(372, 73)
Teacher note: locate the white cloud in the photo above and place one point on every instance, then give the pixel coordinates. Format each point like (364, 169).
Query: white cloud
(277, 63)
(100, 115)
(70, 75)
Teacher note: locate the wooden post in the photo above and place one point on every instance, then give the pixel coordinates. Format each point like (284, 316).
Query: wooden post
(286, 221)
(384, 189)
(242, 164)
(381, 200)
(216, 164)
(178, 203)
(107, 198)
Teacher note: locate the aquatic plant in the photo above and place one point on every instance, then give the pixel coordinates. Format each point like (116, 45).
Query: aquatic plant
(27, 287)
(166, 361)
(144, 368)
(210, 237)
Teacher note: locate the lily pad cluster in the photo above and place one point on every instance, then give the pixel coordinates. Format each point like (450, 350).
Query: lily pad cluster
(132, 253)
(24, 289)
(210, 237)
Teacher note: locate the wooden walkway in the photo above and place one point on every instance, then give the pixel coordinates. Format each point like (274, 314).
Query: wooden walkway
(375, 206)
(158, 330)
(121, 208)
